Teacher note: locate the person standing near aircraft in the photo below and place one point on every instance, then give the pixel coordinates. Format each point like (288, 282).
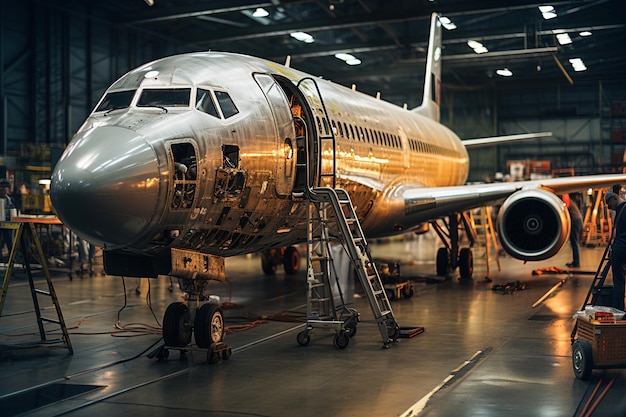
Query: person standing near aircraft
(618, 250)
(577, 226)
(6, 202)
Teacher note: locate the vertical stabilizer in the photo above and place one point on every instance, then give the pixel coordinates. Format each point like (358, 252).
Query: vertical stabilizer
(432, 79)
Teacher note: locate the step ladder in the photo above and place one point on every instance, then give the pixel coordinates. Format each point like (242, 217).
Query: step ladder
(597, 223)
(26, 241)
(595, 289)
(485, 248)
(331, 217)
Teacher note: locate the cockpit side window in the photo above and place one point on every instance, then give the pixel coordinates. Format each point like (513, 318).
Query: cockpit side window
(164, 97)
(204, 103)
(226, 103)
(116, 100)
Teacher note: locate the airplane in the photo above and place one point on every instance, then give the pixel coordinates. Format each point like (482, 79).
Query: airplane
(192, 158)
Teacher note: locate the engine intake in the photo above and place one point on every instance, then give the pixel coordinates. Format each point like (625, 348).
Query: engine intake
(533, 225)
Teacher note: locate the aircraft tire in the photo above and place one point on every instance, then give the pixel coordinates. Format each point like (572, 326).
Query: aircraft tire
(176, 329)
(209, 325)
(267, 263)
(443, 261)
(466, 263)
(291, 260)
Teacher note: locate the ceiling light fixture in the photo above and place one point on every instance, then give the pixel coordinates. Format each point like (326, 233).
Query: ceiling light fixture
(578, 64)
(447, 23)
(547, 12)
(504, 72)
(348, 59)
(260, 12)
(585, 33)
(478, 47)
(563, 38)
(149, 2)
(302, 37)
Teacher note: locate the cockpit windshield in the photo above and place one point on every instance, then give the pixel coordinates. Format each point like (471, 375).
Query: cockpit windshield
(116, 100)
(164, 97)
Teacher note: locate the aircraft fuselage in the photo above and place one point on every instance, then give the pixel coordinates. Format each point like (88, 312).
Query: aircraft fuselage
(207, 152)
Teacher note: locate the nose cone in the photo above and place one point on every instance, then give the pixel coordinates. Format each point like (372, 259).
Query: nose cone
(105, 187)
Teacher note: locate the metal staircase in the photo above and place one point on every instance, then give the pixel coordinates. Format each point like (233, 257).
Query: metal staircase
(331, 217)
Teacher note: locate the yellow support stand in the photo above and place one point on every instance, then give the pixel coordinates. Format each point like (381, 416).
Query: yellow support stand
(597, 224)
(26, 240)
(485, 248)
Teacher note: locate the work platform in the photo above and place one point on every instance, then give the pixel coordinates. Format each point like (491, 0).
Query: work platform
(483, 352)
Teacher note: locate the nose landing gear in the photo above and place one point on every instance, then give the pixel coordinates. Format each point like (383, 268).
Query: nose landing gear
(204, 321)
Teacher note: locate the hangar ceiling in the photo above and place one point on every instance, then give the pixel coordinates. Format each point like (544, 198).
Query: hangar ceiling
(390, 37)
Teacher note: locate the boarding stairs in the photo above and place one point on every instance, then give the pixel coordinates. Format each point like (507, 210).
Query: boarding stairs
(331, 217)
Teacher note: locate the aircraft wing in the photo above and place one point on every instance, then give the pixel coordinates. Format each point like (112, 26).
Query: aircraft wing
(533, 222)
(440, 201)
(496, 140)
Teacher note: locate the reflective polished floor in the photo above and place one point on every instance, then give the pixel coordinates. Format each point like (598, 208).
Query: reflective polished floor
(484, 352)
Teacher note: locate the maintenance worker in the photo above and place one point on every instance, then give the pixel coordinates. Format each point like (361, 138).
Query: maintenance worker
(618, 250)
(6, 234)
(576, 220)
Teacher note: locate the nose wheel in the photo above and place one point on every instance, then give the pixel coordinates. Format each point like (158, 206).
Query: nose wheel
(206, 322)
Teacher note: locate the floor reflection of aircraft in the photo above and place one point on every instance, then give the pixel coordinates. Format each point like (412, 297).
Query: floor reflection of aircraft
(196, 157)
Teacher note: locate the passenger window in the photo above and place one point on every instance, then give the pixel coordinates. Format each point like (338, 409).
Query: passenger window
(204, 103)
(226, 103)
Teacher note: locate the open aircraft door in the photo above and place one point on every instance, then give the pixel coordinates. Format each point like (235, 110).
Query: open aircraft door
(285, 132)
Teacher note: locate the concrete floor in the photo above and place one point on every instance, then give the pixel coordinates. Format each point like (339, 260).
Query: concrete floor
(483, 352)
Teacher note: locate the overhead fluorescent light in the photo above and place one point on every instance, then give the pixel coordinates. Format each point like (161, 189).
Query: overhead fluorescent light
(504, 72)
(578, 64)
(478, 47)
(563, 38)
(260, 12)
(447, 23)
(547, 12)
(302, 37)
(585, 33)
(344, 57)
(348, 59)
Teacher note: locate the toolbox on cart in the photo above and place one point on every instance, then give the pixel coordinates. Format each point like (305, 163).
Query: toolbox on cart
(599, 334)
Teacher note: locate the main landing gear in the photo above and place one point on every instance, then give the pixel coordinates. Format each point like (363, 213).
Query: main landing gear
(204, 321)
(451, 256)
(289, 257)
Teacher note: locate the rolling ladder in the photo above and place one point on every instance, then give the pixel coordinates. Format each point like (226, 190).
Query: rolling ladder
(595, 290)
(331, 216)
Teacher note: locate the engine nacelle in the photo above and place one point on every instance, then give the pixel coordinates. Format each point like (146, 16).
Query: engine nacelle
(533, 225)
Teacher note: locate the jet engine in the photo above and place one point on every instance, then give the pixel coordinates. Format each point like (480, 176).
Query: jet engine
(533, 225)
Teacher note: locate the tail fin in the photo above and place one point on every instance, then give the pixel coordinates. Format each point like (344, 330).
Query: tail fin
(432, 79)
